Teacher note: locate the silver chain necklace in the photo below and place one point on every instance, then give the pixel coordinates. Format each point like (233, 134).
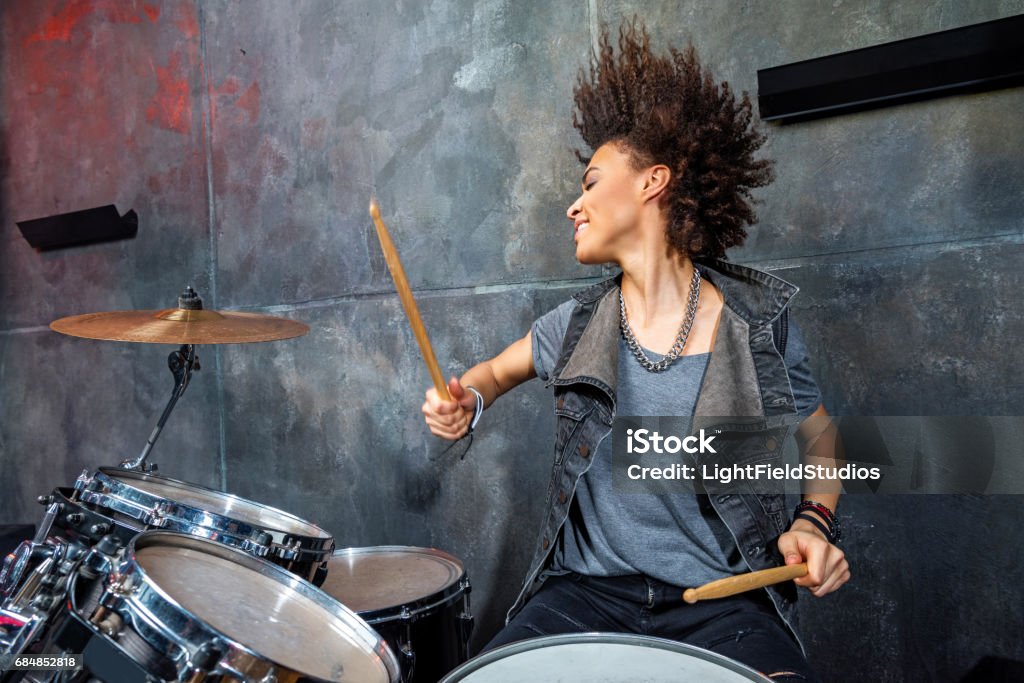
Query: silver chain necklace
(684, 331)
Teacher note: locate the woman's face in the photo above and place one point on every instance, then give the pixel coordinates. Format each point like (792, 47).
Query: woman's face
(605, 216)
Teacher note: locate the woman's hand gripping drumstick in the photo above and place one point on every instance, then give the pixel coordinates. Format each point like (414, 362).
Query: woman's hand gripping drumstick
(744, 582)
(408, 302)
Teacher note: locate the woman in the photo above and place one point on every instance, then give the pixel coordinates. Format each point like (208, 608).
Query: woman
(678, 333)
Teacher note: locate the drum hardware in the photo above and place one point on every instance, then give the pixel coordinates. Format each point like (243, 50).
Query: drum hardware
(154, 516)
(28, 552)
(33, 582)
(405, 646)
(181, 363)
(290, 549)
(258, 543)
(28, 613)
(52, 511)
(110, 624)
(15, 564)
(82, 482)
(100, 559)
(17, 631)
(188, 325)
(142, 500)
(466, 620)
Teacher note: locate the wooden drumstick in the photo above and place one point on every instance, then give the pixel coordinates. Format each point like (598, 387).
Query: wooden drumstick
(408, 302)
(744, 582)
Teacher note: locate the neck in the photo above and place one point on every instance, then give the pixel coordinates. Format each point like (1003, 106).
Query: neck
(655, 281)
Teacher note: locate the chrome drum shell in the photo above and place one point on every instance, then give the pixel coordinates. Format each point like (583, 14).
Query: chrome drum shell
(158, 502)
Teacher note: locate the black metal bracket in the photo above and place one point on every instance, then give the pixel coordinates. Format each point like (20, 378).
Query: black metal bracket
(971, 58)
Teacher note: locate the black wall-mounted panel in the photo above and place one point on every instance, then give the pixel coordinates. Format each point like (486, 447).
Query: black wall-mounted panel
(88, 226)
(967, 59)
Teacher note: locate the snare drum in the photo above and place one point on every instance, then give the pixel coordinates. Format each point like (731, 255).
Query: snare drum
(182, 608)
(416, 598)
(135, 501)
(601, 658)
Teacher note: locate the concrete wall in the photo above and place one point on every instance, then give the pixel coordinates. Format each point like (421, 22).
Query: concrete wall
(249, 137)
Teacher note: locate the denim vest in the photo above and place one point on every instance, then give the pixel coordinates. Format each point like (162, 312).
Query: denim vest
(746, 377)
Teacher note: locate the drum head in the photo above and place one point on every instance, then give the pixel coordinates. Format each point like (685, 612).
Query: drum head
(601, 658)
(261, 607)
(369, 580)
(217, 502)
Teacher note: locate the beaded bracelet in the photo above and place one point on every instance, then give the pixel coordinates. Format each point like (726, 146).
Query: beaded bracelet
(819, 508)
(835, 530)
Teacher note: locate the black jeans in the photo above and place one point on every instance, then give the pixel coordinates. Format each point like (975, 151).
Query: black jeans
(743, 627)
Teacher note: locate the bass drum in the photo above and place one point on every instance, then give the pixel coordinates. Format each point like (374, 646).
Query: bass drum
(602, 658)
(136, 501)
(416, 598)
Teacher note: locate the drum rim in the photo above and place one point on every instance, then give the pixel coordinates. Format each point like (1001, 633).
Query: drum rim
(155, 614)
(13, 571)
(114, 478)
(457, 674)
(413, 608)
(66, 496)
(413, 549)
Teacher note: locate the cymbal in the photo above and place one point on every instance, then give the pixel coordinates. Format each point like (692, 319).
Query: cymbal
(180, 326)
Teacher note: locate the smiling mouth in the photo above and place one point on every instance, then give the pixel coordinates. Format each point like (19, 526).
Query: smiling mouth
(580, 228)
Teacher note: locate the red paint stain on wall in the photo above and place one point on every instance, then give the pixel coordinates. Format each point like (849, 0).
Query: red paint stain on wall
(152, 11)
(60, 26)
(226, 102)
(188, 24)
(229, 87)
(250, 102)
(313, 133)
(171, 106)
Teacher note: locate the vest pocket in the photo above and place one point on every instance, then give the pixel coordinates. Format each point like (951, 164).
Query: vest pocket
(570, 415)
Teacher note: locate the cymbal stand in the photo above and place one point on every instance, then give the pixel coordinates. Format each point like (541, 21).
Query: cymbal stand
(181, 363)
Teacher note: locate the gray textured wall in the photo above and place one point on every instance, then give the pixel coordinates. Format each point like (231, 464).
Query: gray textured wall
(249, 136)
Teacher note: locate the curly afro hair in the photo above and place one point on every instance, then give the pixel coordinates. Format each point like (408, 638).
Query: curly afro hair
(669, 110)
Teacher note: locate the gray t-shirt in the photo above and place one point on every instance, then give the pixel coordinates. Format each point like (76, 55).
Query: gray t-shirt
(678, 539)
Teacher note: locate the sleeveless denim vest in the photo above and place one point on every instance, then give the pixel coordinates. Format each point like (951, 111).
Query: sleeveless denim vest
(746, 378)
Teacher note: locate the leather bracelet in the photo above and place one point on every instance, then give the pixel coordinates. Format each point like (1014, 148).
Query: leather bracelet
(816, 522)
(479, 410)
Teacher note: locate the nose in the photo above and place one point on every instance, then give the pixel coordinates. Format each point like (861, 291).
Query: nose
(574, 208)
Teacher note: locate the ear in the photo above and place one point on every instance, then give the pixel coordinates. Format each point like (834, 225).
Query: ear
(655, 182)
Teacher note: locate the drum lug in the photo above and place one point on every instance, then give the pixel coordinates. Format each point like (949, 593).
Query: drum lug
(466, 621)
(157, 515)
(258, 543)
(320, 574)
(289, 550)
(83, 481)
(110, 624)
(120, 586)
(408, 653)
(207, 656)
(466, 625)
